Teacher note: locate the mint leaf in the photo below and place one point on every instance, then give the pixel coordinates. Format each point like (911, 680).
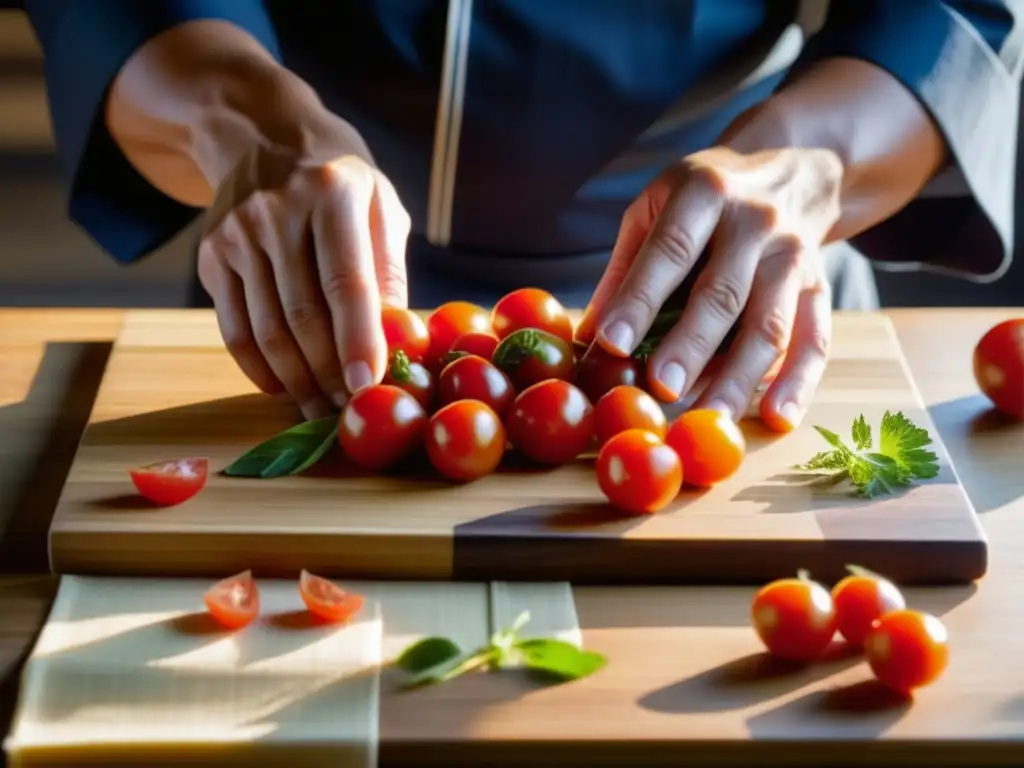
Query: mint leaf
(837, 460)
(427, 653)
(558, 658)
(288, 453)
(861, 434)
(833, 439)
(905, 442)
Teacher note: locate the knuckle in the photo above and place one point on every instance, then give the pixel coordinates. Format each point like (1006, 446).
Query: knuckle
(759, 216)
(342, 279)
(301, 315)
(773, 329)
(819, 344)
(274, 340)
(724, 295)
(644, 299)
(239, 343)
(677, 246)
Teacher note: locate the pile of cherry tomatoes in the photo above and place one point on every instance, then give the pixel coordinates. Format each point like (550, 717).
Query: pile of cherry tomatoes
(797, 619)
(469, 384)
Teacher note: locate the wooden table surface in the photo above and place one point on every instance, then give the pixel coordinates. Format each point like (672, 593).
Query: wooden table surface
(686, 678)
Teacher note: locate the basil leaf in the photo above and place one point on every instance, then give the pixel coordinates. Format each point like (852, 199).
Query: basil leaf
(287, 453)
(451, 668)
(427, 653)
(559, 658)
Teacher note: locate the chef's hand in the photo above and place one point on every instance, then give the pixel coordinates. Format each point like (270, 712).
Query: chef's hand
(300, 251)
(763, 218)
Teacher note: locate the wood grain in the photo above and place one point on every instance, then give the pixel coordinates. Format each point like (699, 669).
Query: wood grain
(518, 524)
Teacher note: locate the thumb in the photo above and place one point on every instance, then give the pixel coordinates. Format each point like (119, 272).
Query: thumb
(389, 229)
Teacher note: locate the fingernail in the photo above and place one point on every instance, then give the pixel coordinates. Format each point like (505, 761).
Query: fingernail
(672, 378)
(791, 414)
(620, 336)
(339, 398)
(357, 376)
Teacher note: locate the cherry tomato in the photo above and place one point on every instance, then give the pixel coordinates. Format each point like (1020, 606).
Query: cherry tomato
(531, 308)
(476, 343)
(452, 320)
(551, 422)
(326, 599)
(411, 376)
(381, 425)
(999, 366)
(234, 601)
(473, 378)
(860, 599)
(530, 356)
(465, 440)
(625, 408)
(795, 618)
(171, 482)
(405, 331)
(710, 444)
(638, 473)
(907, 649)
(598, 372)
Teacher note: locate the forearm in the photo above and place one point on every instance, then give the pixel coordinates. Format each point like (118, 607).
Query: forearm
(888, 144)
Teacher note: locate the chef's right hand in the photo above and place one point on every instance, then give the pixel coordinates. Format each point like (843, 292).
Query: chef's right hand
(300, 252)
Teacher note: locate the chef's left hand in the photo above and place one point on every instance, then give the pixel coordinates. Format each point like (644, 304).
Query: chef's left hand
(768, 213)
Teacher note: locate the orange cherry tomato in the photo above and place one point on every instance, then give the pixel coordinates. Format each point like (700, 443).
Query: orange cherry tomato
(862, 598)
(907, 649)
(710, 444)
(465, 440)
(999, 366)
(795, 618)
(171, 482)
(638, 473)
(405, 330)
(531, 308)
(326, 599)
(235, 601)
(476, 343)
(626, 407)
(452, 320)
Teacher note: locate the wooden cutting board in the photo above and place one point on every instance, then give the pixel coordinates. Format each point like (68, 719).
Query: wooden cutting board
(171, 390)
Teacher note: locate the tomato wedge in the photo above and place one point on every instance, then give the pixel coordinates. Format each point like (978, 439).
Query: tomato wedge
(326, 599)
(170, 482)
(234, 601)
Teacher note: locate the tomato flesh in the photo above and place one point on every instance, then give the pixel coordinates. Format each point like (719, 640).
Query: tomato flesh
(170, 482)
(476, 343)
(235, 601)
(598, 372)
(638, 473)
(531, 308)
(861, 600)
(551, 422)
(413, 377)
(710, 444)
(529, 356)
(795, 618)
(450, 321)
(999, 366)
(405, 330)
(380, 426)
(625, 408)
(907, 649)
(465, 440)
(473, 378)
(326, 599)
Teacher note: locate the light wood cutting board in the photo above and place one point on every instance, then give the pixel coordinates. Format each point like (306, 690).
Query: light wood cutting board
(172, 390)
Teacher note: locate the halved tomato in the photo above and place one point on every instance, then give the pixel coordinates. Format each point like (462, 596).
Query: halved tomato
(234, 601)
(326, 599)
(172, 481)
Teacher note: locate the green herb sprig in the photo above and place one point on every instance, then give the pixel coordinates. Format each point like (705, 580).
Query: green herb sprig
(288, 453)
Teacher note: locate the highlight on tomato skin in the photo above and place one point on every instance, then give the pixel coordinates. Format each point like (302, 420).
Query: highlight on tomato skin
(326, 600)
(861, 599)
(465, 440)
(234, 601)
(380, 426)
(638, 473)
(795, 618)
(551, 422)
(907, 649)
(474, 378)
(172, 481)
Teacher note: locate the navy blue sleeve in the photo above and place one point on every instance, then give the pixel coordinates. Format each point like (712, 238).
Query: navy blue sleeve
(962, 62)
(85, 44)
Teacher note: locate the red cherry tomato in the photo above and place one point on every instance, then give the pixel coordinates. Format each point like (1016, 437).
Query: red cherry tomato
(907, 650)
(235, 601)
(411, 376)
(476, 343)
(625, 408)
(381, 425)
(710, 445)
(999, 366)
(530, 356)
(638, 473)
(465, 440)
(551, 422)
(795, 618)
(598, 372)
(473, 378)
(452, 320)
(326, 599)
(862, 598)
(167, 483)
(531, 308)
(405, 331)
